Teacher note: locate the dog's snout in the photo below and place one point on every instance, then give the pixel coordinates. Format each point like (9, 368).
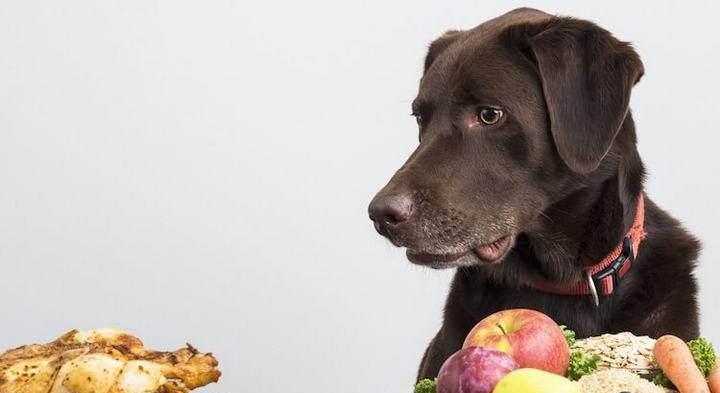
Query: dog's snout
(390, 210)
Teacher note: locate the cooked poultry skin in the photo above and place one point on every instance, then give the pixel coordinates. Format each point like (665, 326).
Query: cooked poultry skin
(103, 361)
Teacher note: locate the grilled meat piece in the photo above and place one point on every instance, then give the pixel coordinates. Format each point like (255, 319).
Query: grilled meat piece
(103, 361)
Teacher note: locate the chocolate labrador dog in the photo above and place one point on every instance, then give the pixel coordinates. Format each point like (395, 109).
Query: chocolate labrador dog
(527, 180)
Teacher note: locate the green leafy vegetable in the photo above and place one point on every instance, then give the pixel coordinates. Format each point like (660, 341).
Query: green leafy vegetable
(662, 380)
(569, 335)
(426, 386)
(704, 356)
(581, 364)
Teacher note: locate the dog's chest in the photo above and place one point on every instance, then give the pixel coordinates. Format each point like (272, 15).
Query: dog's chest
(576, 312)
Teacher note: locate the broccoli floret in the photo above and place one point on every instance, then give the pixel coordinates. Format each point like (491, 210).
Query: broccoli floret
(581, 364)
(704, 354)
(426, 386)
(569, 335)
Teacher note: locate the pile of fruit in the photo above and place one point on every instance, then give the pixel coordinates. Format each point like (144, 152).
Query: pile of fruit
(525, 351)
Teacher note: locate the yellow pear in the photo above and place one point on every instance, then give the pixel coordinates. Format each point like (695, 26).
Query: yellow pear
(530, 380)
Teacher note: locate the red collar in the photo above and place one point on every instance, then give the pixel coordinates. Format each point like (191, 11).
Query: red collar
(604, 277)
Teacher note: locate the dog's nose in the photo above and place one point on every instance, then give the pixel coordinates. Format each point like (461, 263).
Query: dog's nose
(390, 210)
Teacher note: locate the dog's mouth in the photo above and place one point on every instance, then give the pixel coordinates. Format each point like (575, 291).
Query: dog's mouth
(492, 252)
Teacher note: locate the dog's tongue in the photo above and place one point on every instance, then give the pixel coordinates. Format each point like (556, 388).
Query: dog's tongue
(493, 251)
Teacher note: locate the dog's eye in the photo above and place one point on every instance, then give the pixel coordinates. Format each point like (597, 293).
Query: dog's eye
(489, 115)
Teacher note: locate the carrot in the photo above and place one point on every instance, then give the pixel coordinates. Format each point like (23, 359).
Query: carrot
(674, 358)
(714, 380)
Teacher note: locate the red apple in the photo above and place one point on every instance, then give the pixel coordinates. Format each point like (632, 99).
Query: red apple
(474, 370)
(530, 337)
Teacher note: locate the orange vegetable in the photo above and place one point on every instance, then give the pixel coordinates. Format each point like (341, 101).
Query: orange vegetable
(674, 358)
(714, 380)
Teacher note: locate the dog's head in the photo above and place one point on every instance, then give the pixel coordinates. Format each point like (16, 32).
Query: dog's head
(512, 116)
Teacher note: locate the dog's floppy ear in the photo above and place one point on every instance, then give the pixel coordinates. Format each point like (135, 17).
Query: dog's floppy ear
(586, 77)
(439, 45)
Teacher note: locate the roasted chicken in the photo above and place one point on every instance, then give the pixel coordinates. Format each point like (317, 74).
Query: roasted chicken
(103, 361)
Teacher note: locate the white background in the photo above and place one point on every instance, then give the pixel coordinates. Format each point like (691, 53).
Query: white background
(200, 171)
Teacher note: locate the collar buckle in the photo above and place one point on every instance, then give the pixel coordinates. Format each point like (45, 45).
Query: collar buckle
(593, 288)
(613, 271)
